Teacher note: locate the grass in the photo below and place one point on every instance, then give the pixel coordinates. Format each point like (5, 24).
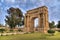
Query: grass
(31, 36)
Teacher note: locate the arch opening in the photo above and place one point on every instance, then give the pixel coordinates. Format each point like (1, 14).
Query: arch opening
(36, 24)
(36, 20)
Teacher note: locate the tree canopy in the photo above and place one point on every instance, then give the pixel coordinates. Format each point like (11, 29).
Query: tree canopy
(58, 25)
(52, 24)
(14, 17)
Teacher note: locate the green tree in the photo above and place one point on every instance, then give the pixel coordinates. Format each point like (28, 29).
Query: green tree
(52, 24)
(14, 17)
(58, 25)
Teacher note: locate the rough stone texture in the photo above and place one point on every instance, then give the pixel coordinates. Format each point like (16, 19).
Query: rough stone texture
(42, 14)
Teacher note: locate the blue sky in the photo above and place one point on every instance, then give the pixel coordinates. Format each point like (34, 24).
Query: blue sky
(24, 5)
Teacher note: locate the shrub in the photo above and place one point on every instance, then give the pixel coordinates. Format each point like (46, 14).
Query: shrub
(20, 30)
(26, 33)
(2, 30)
(51, 32)
(11, 30)
(58, 30)
(32, 32)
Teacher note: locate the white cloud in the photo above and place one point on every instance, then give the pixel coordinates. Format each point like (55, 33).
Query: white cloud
(2, 0)
(0, 4)
(0, 10)
(20, 1)
(10, 1)
(24, 0)
(15, 6)
(35, 0)
(6, 8)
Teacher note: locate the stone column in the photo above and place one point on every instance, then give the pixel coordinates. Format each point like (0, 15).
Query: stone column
(25, 23)
(39, 23)
(46, 22)
(31, 24)
(43, 29)
(28, 24)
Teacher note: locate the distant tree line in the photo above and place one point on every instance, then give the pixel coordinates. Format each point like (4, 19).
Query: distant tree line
(52, 25)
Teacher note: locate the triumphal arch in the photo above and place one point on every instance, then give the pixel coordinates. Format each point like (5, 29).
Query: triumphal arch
(42, 14)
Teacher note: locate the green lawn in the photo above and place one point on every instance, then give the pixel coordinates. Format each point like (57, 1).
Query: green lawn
(31, 36)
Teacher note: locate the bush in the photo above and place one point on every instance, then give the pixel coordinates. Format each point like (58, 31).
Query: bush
(2, 30)
(20, 30)
(32, 32)
(51, 32)
(11, 30)
(58, 30)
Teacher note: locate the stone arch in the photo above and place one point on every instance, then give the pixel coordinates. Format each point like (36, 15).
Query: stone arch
(42, 14)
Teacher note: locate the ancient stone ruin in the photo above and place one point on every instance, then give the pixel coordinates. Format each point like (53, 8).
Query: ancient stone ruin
(42, 14)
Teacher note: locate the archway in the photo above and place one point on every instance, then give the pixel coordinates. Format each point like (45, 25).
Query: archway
(36, 23)
(42, 14)
(36, 20)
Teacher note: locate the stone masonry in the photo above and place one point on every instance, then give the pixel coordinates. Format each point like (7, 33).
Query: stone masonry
(42, 14)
